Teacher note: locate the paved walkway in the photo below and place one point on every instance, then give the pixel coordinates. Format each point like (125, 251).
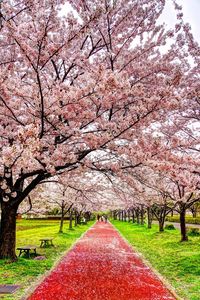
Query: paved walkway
(177, 225)
(101, 266)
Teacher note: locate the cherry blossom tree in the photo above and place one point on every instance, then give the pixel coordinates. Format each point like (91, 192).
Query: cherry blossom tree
(175, 187)
(194, 209)
(61, 197)
(73, 196)
(185, 192)
(80, 86)
(180, 193)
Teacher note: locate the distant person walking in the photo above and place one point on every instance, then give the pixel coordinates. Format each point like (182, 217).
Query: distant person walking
(98, 217)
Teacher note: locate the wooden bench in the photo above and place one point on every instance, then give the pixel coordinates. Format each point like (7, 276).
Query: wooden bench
(27, 249)
(45, 242)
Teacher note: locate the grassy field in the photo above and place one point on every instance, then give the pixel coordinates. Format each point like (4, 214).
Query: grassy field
(178, 262)
(25, 271)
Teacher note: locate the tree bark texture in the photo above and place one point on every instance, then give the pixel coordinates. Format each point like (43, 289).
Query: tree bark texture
(70, 220)
(142, 212)
(184, 236)
(137, 216)
(149, 217)
(8, 231)
(161, 224)
(133, 216)
(61, 221)
(75, 218)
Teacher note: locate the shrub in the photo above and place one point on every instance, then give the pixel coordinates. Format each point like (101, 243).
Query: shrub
(169, 227)
(193, 231)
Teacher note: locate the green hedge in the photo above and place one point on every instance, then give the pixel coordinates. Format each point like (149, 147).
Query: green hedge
(189, 219)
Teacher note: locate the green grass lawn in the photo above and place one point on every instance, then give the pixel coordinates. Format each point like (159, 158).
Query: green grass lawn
(25, 271)
(178, 262)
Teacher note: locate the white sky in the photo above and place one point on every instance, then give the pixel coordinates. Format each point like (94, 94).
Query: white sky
(191, 12)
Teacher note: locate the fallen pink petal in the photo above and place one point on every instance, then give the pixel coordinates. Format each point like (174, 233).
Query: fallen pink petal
(101, 266)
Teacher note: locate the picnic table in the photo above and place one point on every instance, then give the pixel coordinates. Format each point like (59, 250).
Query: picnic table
(45, 242)
(26, 249)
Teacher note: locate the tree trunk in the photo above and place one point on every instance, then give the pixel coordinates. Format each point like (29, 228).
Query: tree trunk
(115, 215)
(89, 216)
(149, 217)
(61, 221)
(194, 213)
(75, 219)
(133, 216)
(161, 224)
(137, 216)
(79, 218)
(8, 231)
(142, 216)
(129, 216)
(125, 216)
(70, 220)
(184, 237)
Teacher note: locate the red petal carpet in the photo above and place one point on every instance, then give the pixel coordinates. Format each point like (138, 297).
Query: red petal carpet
(101, 266)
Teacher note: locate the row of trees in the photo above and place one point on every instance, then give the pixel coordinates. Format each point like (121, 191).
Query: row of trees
(141, 214)
(158, 194)
(66, 200)
(148, 195)
(104, 88)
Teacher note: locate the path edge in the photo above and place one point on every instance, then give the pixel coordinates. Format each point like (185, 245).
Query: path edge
(145, 261)
(42, 277)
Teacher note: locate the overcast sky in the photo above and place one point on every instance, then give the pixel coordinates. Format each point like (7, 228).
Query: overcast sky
(191, 11)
